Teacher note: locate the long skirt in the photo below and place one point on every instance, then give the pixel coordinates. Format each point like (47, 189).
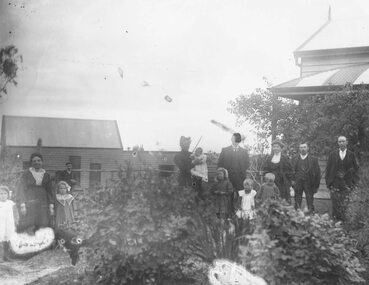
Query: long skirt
(37, 216)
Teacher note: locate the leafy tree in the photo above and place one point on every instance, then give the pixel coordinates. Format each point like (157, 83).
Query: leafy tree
(322, 118)
(264, 112)
(316, 119)
(9, 60)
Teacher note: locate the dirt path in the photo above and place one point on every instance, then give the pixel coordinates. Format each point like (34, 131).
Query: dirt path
(20, 272)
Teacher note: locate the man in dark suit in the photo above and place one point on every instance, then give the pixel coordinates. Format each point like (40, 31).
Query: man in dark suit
(236, 160)
(306, 177)
(67, 175)
(341, 175)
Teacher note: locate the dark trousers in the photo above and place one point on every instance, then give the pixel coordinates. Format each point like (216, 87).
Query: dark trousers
(237, 183)
(303, 185)
(340, 193)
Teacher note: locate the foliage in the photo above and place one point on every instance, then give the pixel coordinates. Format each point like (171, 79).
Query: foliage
(260, 108)
(358, 213)
(288, 247)
(9, 61)
(322, 118)
(10, 170)
(146, 228)
(135, 228)
(140, 229)
(317, 119)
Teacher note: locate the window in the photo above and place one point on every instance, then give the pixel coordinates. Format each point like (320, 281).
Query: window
(76, 164)
(95, 176)
(166, 170)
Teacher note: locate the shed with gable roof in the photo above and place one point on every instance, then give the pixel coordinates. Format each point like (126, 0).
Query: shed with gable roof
(88, 144)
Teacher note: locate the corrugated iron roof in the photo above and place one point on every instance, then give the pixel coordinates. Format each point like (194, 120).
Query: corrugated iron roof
(357, 74)
(338, 34)
(60, 132)
(324, 82)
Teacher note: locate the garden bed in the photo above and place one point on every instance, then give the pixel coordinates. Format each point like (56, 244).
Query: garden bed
(26, 271)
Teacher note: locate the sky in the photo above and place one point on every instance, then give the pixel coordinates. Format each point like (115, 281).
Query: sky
(118, 60)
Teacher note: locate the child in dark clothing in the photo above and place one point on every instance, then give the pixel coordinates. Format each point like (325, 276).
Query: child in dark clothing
(223, 191)
(268, 190)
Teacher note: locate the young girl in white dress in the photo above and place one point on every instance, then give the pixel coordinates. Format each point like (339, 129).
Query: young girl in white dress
(8, 220)
(64, 205)
(247, 195)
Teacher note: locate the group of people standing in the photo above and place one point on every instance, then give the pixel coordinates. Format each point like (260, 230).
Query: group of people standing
(301, 173)
(38, 204)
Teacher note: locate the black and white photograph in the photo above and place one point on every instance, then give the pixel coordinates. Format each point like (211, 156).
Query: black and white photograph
(183, 142)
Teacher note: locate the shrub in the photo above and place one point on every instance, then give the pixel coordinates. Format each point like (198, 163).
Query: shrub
(288, 247)
(358, 217)
(10, 170)
(136, 228)
(358, 213)
(144, 228)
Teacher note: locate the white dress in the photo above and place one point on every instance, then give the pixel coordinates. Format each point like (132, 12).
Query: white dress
(247, 204)
(7, 226)
(201, 170)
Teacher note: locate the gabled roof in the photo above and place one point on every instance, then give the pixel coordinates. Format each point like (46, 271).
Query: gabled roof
(60, 132)
(324, 82)
(338, 34)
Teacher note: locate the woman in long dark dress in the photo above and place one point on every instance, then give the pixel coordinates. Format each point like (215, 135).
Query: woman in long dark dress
(280, 165)
(35, 196)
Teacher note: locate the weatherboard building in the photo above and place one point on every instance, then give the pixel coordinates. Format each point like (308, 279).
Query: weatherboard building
(333, 57)
(93, 146)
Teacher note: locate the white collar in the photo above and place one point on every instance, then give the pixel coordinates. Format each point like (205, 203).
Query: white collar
(276, 158)
(33, 170)
(343, 153)
(303, 156)
(63, 199)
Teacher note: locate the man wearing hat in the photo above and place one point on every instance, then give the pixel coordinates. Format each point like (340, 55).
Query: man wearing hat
(236, 160)
(67, 175)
